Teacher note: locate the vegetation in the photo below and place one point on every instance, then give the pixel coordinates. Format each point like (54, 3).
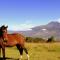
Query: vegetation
(36, 40)
(31, 39)
(37, 51)
(51, 39)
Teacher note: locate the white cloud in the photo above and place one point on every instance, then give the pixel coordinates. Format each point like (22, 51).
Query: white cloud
(58, 20)
(21, 27)
(26, 25)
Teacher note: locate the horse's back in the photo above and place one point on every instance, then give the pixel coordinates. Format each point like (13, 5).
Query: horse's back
(15, 38)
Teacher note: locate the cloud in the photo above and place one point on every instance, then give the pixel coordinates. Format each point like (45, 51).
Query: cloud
(21, 27)
(58, 20)
(55, 20)
(15, 26)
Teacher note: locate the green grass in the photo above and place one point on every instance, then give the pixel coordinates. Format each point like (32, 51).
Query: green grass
(37, 51)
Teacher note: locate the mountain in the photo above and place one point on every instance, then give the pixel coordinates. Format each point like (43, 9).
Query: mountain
(44, 31)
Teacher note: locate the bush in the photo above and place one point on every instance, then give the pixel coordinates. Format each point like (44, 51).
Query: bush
(51, 39)
(31, 39)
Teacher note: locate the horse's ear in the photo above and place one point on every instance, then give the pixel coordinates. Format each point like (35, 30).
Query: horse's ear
(7, 26)
(0, 28)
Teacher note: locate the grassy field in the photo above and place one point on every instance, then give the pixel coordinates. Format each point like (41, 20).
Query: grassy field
(37, 51)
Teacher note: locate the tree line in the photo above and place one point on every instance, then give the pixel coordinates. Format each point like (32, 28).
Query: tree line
(37, 40)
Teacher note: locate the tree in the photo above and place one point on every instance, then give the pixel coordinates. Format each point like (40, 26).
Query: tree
(34, 39)
(51, 39)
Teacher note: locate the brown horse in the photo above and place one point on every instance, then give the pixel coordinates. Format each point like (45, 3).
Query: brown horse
(10, 40)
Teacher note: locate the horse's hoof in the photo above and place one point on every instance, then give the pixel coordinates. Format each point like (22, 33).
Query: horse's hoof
(27, 57)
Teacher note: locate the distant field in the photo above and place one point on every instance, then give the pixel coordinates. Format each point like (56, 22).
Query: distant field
(37, 51)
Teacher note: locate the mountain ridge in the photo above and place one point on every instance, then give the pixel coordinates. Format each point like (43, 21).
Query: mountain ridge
(44, 31)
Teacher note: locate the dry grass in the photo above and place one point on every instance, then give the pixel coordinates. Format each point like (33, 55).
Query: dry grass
(37, 51)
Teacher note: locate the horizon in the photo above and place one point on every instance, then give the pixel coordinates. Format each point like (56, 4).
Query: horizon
(25, 14)
(29, 29)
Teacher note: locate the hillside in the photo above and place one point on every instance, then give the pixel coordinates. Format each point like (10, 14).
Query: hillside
(44, 31)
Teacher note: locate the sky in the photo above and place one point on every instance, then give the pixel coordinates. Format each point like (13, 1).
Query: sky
(25, 14)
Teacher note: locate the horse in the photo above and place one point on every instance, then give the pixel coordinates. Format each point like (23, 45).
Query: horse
(10, 40)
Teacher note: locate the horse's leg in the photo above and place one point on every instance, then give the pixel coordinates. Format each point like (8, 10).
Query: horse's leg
(20, 50)
(3, 52)
(26, 52)
(0, 51)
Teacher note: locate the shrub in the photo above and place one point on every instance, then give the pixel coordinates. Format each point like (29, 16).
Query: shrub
(35, 39)
(51, 39)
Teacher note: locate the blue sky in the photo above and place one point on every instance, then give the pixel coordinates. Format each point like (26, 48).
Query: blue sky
(24, 14)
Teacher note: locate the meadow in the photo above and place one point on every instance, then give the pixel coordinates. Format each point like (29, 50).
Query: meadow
(37, 51)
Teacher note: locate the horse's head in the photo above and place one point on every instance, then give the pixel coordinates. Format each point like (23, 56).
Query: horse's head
(3, 31)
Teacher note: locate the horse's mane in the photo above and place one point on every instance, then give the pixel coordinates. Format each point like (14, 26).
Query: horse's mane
(1, 32)
(0, 28)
